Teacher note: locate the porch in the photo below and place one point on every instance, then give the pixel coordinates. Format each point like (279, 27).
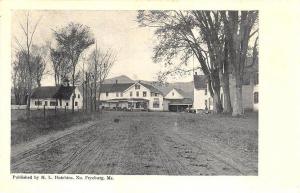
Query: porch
(125, 104)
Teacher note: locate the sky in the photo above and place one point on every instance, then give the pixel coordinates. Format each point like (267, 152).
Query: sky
(118, 30)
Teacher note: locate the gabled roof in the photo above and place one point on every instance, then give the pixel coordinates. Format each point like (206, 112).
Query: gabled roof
(200, 81)
(59, 92)
(64, 92)
(151, 88)
(119, 87)
(44, 92)
(180, 91)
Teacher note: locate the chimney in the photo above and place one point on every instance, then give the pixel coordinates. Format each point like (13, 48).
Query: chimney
(116, 81)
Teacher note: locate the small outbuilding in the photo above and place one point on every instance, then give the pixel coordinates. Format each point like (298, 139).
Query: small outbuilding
(176, 100)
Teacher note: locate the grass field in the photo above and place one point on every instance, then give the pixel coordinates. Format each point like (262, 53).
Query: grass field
(25, 129)
(151, 143)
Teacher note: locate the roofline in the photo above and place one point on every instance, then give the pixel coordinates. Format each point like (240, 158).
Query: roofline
(129, 86)
(182, 104)
(177, 92)
(159, 91)
(101, 91)
(140, 83)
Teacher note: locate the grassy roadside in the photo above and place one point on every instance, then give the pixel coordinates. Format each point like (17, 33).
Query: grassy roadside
(24, 130)
(240, 133)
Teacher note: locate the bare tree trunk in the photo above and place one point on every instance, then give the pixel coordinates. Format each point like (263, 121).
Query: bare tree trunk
(86, 92)
(91, 99)
(227, 108)
(237, 97)
(83, 102)
(73, 84)
(215, 86)
(100, 84)
(39, 83)
(95, 96)
(224, 77)
(99, 100)
(55, 80)
(30, 76)
(217, 106)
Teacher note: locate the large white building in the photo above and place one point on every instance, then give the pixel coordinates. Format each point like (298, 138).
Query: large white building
(55, 96)
(133, 96)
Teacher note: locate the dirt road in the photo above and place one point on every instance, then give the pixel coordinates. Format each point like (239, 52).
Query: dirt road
(144, 143)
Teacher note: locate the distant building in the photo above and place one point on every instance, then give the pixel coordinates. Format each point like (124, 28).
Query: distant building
(177, 101)
(135, 96)
(203, 100)
(55, 96)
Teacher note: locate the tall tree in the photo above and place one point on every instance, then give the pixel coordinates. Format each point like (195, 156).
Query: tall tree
(29, 34)
(20, 77)
(238, 29)
(60, 64)
(74, 39)
(211, 28)
(39, 61)
(180, 37)
(100, 64)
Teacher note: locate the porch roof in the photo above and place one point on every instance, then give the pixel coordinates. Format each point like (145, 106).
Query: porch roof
(115, 100)
(185, 101)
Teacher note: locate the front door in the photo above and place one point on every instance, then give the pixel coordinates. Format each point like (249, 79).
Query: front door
(137, 105)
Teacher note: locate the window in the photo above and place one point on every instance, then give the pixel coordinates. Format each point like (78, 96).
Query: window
(46, 103)
(53, 103)
(144, 94)
(121, 94)
(255, 97)
(67, 104)
(137, 86)
(130, 93)
(152, 94)
(117, 94)
(156, 103)
(205, 103)
(205, 91)
(155, 94)
(172, 93)
(78, 95)
(76, 103)
(38, 103)
(106, 94)
(137, 93)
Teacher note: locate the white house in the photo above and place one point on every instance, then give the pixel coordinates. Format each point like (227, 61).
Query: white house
(135, 96)
(176, 100)
(55, 96)
(203, 100)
